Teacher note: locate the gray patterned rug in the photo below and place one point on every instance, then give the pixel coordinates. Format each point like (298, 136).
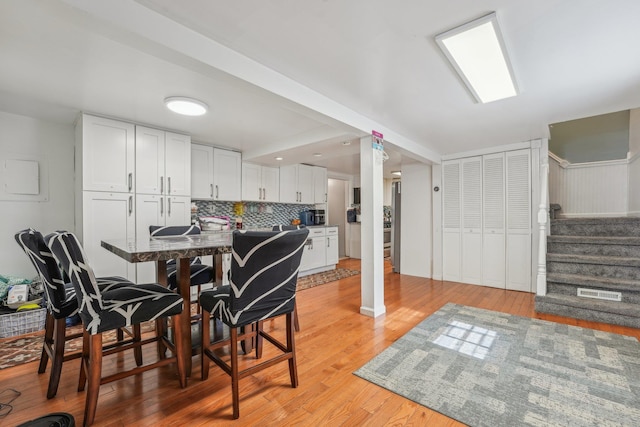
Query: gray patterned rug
(485, 368)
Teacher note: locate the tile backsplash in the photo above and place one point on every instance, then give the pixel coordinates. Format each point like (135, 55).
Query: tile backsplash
(256, 214)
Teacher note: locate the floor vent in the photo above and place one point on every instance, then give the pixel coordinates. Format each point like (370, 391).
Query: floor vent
(595, 293)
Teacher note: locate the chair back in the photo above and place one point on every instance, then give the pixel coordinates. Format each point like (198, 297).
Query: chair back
(173, 230)
(67, 250)
(33, 244)
(287, 227)
(264, 274)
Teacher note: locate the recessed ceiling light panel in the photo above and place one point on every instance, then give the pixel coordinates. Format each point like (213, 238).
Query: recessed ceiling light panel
(186, 106)
(396, 173)
(477, 52)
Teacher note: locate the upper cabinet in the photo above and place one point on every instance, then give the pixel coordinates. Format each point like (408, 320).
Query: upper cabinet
(260, 183)
(297, 184)
(216, 174)
(320, 184)
(163, 162)
(107, 153)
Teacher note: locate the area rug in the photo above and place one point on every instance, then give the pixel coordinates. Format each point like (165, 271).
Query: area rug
(485, 368)
(312, 280)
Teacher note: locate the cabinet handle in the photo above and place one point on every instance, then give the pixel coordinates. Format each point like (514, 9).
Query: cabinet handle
(161, 206)
(211, 186)
(169, 185)
(161, 184)
(325, 197)
(130, 205)
(168, 206)
(328, 242)
(217, 194)
(264, 193)
(130, 181)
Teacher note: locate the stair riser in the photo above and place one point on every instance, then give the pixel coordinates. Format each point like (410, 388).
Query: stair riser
(595, 270)
(628, 296)
(596, 229)
(581, 313)
(594, 249)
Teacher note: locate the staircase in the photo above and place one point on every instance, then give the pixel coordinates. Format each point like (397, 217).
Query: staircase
(601, 256)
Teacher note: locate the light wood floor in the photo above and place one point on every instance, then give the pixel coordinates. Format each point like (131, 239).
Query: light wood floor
(334, 341)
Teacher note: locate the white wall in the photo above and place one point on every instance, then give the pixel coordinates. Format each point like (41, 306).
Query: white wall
(415, 238)
(634, 162)
(26, 136)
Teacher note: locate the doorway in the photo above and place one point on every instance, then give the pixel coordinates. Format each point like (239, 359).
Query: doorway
(337, 200)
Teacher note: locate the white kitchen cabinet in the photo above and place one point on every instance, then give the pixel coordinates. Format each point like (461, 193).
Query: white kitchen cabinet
(163, 162)
(105, 154)
(331, 249)
(297, 184)
(216, 174)
(260, 183)
(152, 209)
(314, 255)
(107, 216)
(320, 184)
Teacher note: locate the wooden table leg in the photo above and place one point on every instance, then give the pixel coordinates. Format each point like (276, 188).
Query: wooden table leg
(161, 278)
(183, 276)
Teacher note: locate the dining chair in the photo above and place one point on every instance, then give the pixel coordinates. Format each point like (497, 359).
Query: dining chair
(61, 301)
(116, 308)
(296, 321)
(264, 270)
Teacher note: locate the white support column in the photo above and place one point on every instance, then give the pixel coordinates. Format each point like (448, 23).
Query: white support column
(372, 255)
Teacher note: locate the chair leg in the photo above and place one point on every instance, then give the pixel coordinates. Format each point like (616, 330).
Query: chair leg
(177, 339)
(161, 330)
(296, 322)
(137, 337)
(259, 341)
(57, 356)
(48, 342)
(95, 373)
(234, 372)
(291, 347)
(204, 343)
(84, 361)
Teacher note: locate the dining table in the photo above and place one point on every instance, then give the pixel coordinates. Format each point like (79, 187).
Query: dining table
(182, 249)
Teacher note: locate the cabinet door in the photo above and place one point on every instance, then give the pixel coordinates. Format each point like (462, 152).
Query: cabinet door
(251, 182)
(108, 155)
(320, 184)
(107, 216)
(177, 164)
(201, 172)
(270, 184)
(150, 158)
(472, 220)
(227, 175)
(493, 253)
(332, 250)
(150, 210)
(288, 184)
(451, 257)
(305, 184)
(178, 210)
(318, 252)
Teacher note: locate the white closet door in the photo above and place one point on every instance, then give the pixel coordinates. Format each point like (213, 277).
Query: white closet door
(472, 220)
(451, 254)
(518, 210)
(493, 212)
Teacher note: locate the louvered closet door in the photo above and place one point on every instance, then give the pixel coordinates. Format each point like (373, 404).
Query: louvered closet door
(493, 212)
(518, 197)
(451, 255)
(472, 220)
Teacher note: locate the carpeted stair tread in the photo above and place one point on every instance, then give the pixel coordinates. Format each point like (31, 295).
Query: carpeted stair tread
(594, 259)
(604, 283)
(614, 307)
(596, 240)
(618, 226)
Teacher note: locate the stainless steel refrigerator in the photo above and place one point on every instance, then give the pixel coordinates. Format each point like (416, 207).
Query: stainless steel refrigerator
(395, 226)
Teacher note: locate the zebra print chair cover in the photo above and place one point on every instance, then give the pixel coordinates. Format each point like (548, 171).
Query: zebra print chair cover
(264, 272)
(200, 273)
(59, 293)
(123, 306)
(287, 227)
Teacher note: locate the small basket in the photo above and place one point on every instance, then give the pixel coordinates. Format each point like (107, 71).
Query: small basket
(22, 322)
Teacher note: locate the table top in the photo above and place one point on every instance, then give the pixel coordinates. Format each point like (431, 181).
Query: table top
(170, 247)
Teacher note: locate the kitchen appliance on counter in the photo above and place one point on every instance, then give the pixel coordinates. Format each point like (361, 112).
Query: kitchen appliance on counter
(318, 216)
(307, 218)
(351, 215)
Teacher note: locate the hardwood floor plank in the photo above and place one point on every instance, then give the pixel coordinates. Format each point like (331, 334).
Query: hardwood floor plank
(334, 341)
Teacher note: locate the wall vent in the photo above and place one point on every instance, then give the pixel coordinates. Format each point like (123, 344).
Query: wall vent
(598, 294)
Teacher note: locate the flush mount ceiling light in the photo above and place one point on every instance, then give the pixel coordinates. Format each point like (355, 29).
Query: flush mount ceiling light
(396, 173)
(477, 52)
(279, 158)
(186, 106)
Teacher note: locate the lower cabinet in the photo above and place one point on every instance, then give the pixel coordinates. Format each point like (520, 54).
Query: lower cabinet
(320, 251)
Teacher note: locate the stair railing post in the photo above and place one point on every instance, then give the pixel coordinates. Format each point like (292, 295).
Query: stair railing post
(543, 215)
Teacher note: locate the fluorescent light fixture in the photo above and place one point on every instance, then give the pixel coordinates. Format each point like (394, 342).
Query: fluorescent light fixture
(477, 52)
(396, 173)
(317, 154)
(186, 106)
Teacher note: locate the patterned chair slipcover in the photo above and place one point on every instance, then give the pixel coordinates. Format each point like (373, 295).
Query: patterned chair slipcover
(264, 272)
(200, 273)
(103, 311)
(61, 303)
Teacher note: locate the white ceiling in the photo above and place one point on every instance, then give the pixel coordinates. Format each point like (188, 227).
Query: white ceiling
(291, 78)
